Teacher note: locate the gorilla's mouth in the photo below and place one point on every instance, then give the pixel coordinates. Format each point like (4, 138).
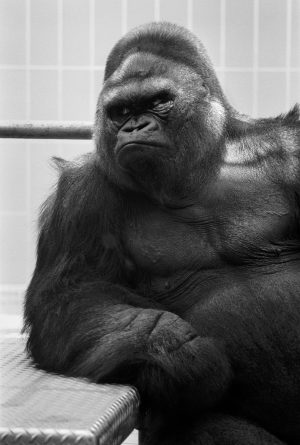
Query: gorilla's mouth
(137, 145)
(134, 151)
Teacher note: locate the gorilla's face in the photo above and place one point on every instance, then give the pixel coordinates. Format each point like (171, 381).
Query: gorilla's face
(156, 126)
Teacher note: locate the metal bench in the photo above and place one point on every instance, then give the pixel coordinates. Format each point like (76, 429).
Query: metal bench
(42, 408)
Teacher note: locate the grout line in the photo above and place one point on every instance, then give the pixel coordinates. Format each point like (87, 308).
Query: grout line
(28, 56)
(267, 69)
(288, 52)
(92, 56)
(59, 58)
(60, 65)
(255, 56)
(222, 40)
(51, 67)
(156, 10)
(102, 67)
(190, 10)
(124, 17)
(27, 144)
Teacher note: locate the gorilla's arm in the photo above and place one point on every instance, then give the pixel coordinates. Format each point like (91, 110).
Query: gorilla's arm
(82, 324)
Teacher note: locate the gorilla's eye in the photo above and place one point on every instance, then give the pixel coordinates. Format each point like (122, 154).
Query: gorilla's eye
(156, 102)
(161, 104)
(124, 111)
(119, 113)
(161, 99)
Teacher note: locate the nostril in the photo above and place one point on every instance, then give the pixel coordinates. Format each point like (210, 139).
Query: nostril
(142, 125)
(127, 129)
(138, 124)
(134, 127)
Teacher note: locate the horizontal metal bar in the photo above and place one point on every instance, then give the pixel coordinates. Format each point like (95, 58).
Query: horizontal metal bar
(46, 129)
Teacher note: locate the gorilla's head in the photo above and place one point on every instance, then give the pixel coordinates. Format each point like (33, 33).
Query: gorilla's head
(161, 113)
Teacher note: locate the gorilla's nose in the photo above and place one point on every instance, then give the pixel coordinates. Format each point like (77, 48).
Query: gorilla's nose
(141, 123)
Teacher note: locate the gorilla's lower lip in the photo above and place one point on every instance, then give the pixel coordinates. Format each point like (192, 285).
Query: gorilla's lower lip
(137, 146)
(137, 155)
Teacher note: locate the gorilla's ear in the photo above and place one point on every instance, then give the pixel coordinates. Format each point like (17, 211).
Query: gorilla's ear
(59, 164)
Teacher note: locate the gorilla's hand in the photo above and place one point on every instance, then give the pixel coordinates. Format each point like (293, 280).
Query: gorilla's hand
(182, 368)
(154, 350)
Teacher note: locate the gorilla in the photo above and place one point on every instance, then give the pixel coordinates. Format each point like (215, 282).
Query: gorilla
(169, 258)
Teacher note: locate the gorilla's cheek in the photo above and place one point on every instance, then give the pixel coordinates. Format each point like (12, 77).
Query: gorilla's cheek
(215, 119)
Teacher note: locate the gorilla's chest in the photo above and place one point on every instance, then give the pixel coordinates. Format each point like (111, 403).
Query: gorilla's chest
(203, 237)
(161, 245)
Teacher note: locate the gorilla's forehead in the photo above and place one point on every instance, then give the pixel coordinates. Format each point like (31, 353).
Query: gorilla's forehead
(143, 73)
(143, 65)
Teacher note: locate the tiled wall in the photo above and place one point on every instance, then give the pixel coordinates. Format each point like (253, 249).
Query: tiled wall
(52, 54)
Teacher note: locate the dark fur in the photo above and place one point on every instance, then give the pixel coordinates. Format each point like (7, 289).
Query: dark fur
(175, 268)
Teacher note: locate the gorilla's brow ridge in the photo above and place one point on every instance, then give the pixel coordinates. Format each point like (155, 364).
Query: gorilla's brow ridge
(117, 92)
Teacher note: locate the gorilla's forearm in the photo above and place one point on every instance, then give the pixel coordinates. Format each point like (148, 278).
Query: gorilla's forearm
(97, 331)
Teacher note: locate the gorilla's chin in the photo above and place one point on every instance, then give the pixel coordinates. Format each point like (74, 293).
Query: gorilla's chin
(139, 159)
(145, 165)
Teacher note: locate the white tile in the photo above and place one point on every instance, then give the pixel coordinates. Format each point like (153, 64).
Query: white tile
(72, 149)
(295, 88)
(44, 32)
(44, 94)
(11, 303)
(239, 90)
(13, 94)
(76, 95)
(137, 15)
(13, 176)
(76, 27)
(207, 26)
(271, 94)
(272, 33)
(239, 33)
(107, 28)
(10, 322)
(295, 34)
(174, 11)
(14, 249)
(12, 26)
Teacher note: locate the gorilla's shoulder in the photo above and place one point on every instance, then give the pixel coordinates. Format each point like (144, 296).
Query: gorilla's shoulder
(77, 168)
(291, 119)
(80, 175)
(78, 190)
(292, 116)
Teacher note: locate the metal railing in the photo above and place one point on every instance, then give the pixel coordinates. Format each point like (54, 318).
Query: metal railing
(46, 129)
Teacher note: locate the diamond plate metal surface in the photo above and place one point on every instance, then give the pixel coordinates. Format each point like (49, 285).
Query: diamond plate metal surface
(41, 408)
